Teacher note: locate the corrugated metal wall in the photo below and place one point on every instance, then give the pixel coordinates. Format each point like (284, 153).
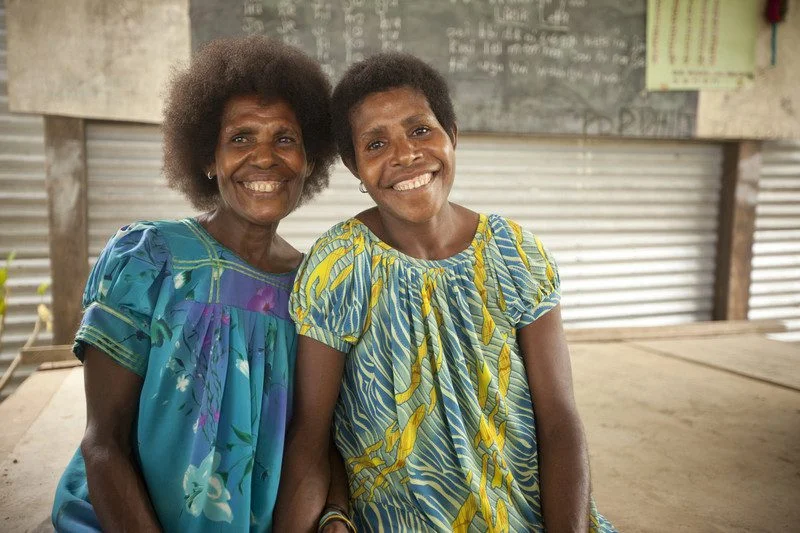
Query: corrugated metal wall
(125, 184)
(775, 287)
(632, 223)
(23, 219)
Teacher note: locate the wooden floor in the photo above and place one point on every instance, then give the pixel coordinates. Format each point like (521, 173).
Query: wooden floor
(699, 434)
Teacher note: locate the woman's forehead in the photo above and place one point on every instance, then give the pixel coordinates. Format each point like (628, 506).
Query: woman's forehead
(393, 105)
(243, 107)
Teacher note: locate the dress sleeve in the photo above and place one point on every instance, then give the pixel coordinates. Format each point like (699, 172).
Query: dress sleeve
(121, 294)
(328, 303)
(528, 277)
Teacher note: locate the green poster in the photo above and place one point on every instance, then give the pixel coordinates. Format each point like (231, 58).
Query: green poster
(701, 44)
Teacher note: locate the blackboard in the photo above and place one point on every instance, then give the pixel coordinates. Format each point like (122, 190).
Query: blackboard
(514, 66)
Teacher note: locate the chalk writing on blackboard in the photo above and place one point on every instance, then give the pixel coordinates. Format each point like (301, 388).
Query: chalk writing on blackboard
(528, 66)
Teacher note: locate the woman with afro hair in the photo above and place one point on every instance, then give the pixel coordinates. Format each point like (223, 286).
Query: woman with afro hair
(186, 340)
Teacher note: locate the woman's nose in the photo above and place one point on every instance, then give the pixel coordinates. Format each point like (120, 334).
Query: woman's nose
(262, 155)
(406, 152)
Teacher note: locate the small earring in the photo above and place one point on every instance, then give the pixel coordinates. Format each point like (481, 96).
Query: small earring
(362, 187)
(210, 176)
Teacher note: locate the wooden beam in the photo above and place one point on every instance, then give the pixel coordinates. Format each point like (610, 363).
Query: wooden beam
(737, 217)
(37, 355)
(67, 204)
(694, 329)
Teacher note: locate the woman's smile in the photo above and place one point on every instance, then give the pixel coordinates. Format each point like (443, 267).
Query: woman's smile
(262, 186)
(414, 183)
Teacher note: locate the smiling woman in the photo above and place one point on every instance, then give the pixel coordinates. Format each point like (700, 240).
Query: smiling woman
(431, 337)
(186, 338)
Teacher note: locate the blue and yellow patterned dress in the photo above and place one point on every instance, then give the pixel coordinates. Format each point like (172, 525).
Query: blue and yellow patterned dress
(212, 339)
(434, 418)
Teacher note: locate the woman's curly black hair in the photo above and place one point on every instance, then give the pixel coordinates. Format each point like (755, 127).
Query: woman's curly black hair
(232, 67)
(382, 72)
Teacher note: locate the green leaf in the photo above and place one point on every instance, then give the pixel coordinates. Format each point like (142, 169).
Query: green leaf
(271, 334)
(161, 332)
(42, 288)
(3, 276)
(247, 469)
(244, 437)
(10, 257)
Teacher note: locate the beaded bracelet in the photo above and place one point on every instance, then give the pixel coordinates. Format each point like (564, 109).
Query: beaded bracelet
(332, 516)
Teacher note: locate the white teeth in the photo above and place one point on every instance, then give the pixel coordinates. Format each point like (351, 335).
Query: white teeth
(413, 183)
(261, 186)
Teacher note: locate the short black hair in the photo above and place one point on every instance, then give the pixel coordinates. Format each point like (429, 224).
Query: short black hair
(226, 68)
(383, 72)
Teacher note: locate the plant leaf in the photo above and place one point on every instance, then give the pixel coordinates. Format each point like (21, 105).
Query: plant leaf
(247, 469)
(244, 437)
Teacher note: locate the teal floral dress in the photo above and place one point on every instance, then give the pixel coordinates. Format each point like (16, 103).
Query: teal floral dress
(212, 339)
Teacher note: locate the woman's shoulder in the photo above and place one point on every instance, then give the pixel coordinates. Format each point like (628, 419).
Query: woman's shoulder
(135, 238)
(171, 229)
(159, 240)
(158, 230)
(507, 229)
(508, 233)
(339, 255)
(517, 246)
(184, 238)
(527, 274)
(341, 235)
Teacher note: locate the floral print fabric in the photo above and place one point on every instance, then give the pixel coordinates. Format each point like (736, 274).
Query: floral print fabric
(212, 340)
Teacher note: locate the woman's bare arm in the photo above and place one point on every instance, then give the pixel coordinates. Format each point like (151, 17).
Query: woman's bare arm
(563, 458)
(306, 471)
(116, 488)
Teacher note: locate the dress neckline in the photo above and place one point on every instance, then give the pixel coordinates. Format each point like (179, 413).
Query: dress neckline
(194, 223)
(459, 257)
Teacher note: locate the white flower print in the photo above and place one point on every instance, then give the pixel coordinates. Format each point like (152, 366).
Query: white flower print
(244, 367)
(205, 490)
(182, 383)
(103, 288)
(181, 278)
